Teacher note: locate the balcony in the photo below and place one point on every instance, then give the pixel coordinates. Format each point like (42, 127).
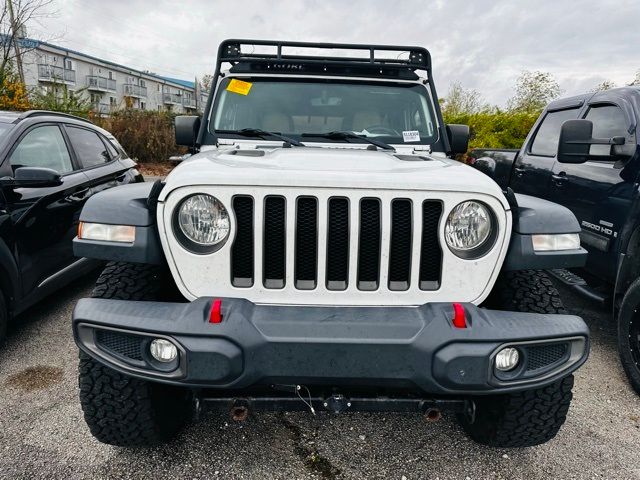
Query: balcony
(100, 84)
(133, 90)
(101, 108)
(55, 74)
(188, 102)
(172, 98)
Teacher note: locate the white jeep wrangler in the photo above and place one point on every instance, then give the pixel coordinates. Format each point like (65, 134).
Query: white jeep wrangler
(320, 251)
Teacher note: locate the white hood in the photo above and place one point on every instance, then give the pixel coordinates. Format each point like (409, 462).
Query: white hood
(330, 168)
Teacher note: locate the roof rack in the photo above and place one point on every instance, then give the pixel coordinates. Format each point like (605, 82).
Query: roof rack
(47, 113)
(371, 60)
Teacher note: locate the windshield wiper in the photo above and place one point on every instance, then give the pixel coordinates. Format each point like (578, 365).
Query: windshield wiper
(257, 132)
(339, 135)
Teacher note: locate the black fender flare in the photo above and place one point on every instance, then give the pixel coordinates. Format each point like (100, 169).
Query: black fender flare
(532, 215)
(133, 204)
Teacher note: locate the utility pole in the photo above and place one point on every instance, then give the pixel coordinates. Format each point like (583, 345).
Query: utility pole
(14, 36)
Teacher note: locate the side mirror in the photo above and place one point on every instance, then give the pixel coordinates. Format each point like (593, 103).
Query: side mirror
(458, 138)
(32, 177)
(576, 138)
(187, 127)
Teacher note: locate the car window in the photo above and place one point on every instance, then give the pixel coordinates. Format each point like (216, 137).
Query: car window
(608, 121)
(89, 149)
(545, 142)
(112, 150)
(42, 147)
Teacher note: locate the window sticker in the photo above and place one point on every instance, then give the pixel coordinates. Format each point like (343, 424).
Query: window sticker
(411, 136)
(238, 86)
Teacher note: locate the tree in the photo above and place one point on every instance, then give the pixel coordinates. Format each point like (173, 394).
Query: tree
(534, 90)
(60, 99)
(604, 85)
(461, 100)
(15, 16)
(13, 94)
(636, 81)
(206, 81)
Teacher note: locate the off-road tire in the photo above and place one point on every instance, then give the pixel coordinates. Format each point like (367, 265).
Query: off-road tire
(119, 409)
(629, 333)
(525, 291)
(521, 419)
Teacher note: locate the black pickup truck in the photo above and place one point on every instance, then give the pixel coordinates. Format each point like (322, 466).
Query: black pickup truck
(584, 153)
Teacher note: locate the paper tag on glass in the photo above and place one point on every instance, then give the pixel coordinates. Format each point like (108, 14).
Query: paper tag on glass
(411, 136)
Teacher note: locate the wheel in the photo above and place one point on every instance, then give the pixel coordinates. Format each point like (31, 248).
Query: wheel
(525, 291)
(4, 319)
(629, 334)
(119, 409)
(522, 419)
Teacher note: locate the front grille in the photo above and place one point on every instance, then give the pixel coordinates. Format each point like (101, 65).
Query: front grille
(373, 243)
(541, 356)
(122, 344)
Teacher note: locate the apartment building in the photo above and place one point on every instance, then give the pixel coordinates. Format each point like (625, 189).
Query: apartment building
(108, 85)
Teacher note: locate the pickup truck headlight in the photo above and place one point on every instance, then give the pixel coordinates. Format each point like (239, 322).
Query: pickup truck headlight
(470, 230)
(202, 223)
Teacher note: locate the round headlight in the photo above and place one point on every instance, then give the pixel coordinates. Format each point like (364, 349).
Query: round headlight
(203, 221)
(469, 229)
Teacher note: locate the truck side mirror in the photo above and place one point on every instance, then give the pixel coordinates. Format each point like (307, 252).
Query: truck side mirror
(458, 138)
(187, 127)
(576, 138)
(32, 177)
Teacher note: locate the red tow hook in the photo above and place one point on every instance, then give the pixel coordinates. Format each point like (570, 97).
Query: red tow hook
(215, 315)
(459, 319)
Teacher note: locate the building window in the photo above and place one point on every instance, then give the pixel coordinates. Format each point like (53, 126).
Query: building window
(112, 101)
(112, 76)
(142, 105)
(68, 64)
(142, 83)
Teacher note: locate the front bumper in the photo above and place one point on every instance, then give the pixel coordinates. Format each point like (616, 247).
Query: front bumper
(411, 348)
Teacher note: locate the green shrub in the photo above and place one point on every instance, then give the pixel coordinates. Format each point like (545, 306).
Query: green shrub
(147, 136)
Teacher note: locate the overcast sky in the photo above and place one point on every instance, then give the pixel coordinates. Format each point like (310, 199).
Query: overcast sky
(482, 44)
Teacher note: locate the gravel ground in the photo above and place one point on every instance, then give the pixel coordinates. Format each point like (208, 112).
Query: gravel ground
(43, 435)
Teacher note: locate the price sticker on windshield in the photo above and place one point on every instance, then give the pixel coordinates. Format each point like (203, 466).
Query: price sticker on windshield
(240, 87)
(411, 136)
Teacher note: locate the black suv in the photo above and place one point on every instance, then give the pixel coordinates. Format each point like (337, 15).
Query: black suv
(50, 163)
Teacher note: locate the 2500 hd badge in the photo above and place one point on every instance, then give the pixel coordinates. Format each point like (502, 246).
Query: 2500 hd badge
(308, 256)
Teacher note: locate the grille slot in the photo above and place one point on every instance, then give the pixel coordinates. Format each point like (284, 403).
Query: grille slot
(400, 246)
(338, 244)
(242, 258)
(369, 244)
(274, 242)
(430, 251)
(541, 356)
(121, 344)
(306, 257)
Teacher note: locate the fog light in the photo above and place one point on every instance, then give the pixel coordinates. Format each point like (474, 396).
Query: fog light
(163, 350)
(507, 359)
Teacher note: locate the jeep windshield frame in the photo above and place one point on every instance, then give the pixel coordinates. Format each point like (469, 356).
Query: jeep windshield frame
(314, 109)
(395, 64)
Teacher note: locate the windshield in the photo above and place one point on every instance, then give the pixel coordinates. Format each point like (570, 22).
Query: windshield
(391, 112)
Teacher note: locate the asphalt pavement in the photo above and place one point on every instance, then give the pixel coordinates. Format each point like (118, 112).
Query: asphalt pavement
(43, 434)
